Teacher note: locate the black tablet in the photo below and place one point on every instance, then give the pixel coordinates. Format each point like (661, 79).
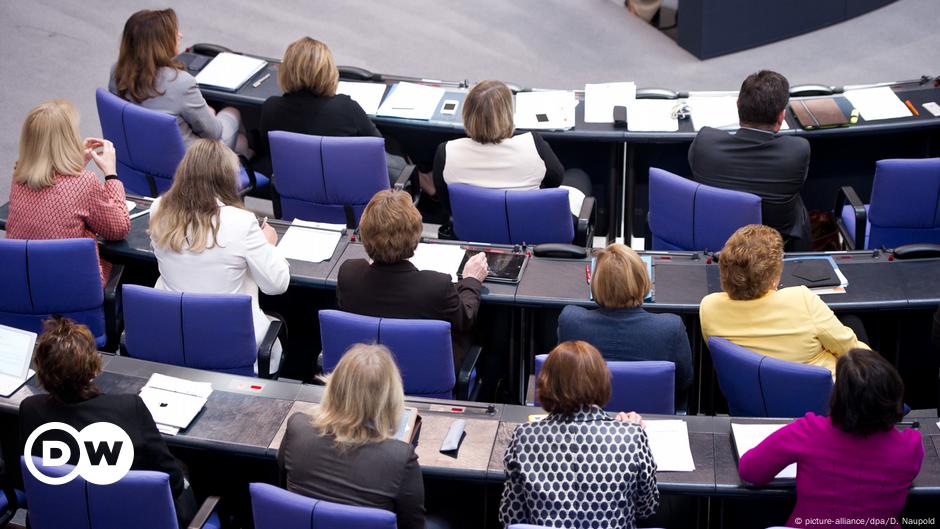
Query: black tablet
(505, 266)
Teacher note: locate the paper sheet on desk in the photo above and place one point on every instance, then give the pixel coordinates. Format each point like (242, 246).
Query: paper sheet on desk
(444, 258)
(652, 115)
(748, 436)
(877, 103)
(411, 101)
(303, 242)
(368, 95)
(720, 112)
(174, 402)
(229, 71)
(546, 110)
(600, 100)
(669, 442)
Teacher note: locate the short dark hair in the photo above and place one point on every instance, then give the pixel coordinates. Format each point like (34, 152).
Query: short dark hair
(868, 394)
(574, 375)
(762, 97)
(67, 360)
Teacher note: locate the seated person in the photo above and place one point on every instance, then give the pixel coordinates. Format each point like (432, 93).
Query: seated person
(391, 287)
(573, 386)
(620, 329)
(67, 363)
(347, 453)
(53, 196)
(791, 324)
(854, 463)
(310, 105)
(757, 160)
(147, 73)
(206, 241)
(493, 157)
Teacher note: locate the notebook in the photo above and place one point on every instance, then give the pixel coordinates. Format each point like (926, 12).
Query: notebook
(409, 426)
(174, 402)
(747, 436)
(16, 353)
(229, 71)
(819, 113)
(811, 272)
(504, 265)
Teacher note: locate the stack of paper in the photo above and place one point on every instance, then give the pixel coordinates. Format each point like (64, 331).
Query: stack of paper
(748, 436)
(229, 71)
(652, 115)
(368, 95)
(600, 100)
(313, 242)
(174, 402)
(720, 112)
(411, 101)
(669, 442)
(878, 103)
(443, 258)
(550, 109)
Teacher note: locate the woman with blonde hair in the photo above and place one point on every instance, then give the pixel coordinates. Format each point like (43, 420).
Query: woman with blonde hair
(206, 242)
(53, 196)
(347, 452)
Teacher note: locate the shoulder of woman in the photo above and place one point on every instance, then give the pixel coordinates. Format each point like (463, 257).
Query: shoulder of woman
(174, 79)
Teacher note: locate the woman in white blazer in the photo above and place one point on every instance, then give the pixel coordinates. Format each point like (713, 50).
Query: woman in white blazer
(206, 242)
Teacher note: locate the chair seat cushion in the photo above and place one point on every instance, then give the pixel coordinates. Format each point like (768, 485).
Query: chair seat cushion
(848, 218)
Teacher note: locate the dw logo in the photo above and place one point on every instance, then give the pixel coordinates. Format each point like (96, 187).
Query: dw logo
(105, 452)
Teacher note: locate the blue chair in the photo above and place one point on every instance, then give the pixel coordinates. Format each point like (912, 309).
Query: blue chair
(688, 216)
(756, 385)
(141, 499)
(641, 386)
(422, 349)
(149, 147)
(202, 331)
(517, 217)
(328, 179)
(275, 508)
(58, 276)
(904, 208)
(10, 501)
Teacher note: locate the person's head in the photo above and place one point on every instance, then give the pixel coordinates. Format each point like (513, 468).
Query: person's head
(573, 376)
(49, 144)
(390, 227)
(763, 99)
(150, 41)
(364, 398)
(308, 66)
(487, 112)
(189, 212)
(619, 280)
(67, 360)
(751, 262)
(868, 394)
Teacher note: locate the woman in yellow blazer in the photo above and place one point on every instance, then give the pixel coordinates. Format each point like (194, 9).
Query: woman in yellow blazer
(790, 324)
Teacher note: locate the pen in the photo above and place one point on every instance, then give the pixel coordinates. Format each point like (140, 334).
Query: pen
(257, 83)
(911, 106)
(587, 274)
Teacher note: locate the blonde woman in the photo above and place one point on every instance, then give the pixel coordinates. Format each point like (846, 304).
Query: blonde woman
(53, 196)
(346, 453)
(206, 242)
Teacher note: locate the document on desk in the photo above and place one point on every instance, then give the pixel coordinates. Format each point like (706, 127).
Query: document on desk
(310, 241)
(229, 71)
(747, 436)
(652, 115)
(443, 258)
(720, 112)
(669, 442)
(174, 402)
(368, 95)
(545, 110)
(877, 103)
(411, 101)
(600, 100)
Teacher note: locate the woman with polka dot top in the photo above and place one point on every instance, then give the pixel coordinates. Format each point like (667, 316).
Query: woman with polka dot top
(578, 467)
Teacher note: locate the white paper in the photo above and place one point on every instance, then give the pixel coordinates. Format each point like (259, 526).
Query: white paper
(168, 430)
(130, 205)
(878, 103)
(229, 71)
(368, 95)
(174, 401)
(747, 436)
(720, 112)
(318, 225)
(411, 101)
(600, 100)
(548, 109)
(180, 385)
(444, 258)
(313, 245)
(669, 442)
(652, 115)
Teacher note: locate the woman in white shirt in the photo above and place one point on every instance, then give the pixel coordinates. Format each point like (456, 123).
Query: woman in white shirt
(206, 242)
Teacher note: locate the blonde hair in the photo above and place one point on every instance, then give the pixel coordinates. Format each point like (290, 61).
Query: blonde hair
(49, 144)
(189, 211)
(364, 399)
(487, 112)
(751, 262)
(390, 227)
(308, 65)
(620, 279)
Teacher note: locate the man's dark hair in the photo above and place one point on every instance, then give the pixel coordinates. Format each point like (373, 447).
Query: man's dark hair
(763, 95)
(868, 393)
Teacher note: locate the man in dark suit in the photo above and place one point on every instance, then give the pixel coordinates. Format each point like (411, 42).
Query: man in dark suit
(757, 160)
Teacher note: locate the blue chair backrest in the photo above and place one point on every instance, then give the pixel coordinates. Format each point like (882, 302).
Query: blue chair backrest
(685, 215)
(148, 143)
(905, 203)
(202, 331)
(35, 284)
(316, 176)
(646, 386)
(501, 216)
(141, 499)
(756, 385)
(422, 348)
(276, 508)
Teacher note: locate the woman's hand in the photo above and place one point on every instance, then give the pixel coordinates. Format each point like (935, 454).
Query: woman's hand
(268, 232)
(476, 267)
(103, 154)
(90, 144)
(631, 417)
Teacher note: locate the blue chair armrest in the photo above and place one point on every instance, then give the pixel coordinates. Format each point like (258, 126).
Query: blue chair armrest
(204, 513)
(462, 390)
(264, 350)
(847, 193)
(584, 230)
(252, 181)
(113, 311)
